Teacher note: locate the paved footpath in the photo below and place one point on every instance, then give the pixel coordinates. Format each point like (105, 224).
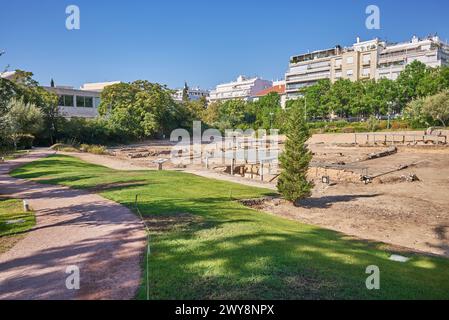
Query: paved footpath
(105, 240)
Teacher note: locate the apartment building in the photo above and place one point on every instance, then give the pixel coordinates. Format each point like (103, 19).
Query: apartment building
(243, 88)
(194, 94)
(373, 59)
(354, 63)
(395, 57)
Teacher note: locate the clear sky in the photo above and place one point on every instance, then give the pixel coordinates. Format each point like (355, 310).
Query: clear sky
(205, 42)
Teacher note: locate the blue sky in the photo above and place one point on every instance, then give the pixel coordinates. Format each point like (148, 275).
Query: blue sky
(202, 42)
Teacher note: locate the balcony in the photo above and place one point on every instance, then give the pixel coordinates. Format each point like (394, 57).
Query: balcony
(366, 62)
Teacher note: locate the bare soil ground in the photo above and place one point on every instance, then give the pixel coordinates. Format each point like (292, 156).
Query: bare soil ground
(414, 215)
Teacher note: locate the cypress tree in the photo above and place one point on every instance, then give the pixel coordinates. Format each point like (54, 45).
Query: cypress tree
(293, 184)
(185, 93)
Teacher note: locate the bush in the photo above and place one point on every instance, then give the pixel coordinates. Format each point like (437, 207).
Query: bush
(63, 147)
(97, 149)
(25, 141)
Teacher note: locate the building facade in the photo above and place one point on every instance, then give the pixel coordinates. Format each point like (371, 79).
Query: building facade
(354, 63)
(243, 88)
(395, 57)
(76, 103)
(97, 86)
(373, 59)
(194, 94)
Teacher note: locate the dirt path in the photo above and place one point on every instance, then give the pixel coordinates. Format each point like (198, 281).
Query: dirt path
(104, 240)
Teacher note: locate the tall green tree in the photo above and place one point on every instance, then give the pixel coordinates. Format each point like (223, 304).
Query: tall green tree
(410, 79)
(295, 160)
(140, 109)
(24, 87)
(185, 93)
(316, 98)
(267, 111)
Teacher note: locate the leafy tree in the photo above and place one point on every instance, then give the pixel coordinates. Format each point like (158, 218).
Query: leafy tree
(339, 97)
(21, 119)
(234, 114)
(411, 79)
(22, 86)
(295, 160)
(380, 96)
(267, 111)
(317, 100)
(437, 106)
(415, 115)
(212, 114)
(7, 91)
(140, 109)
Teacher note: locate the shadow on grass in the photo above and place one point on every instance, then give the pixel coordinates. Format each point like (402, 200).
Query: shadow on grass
(230, 254)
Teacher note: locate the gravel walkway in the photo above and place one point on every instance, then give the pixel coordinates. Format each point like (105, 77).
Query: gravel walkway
(105, 240)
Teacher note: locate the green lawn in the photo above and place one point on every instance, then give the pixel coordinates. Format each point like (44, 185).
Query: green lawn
(11, 210)
(14, 154)
(204, 245)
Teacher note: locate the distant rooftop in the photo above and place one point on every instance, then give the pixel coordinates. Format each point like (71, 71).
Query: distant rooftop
(97, 86)
(7, 74)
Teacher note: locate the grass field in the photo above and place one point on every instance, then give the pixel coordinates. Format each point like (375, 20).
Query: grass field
(12, 210)
(205, 245)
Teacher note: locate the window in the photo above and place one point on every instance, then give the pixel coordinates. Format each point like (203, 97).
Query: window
(84, 102)
(88, 102)
(338, 74)
(367, 58)
(349, 73)
(350, 60)
(65, 101)
(366, 72)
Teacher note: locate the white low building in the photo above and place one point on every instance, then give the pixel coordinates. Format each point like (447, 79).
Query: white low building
(97, 86)
(80, 103)
(76, 103)
(194, 94)
(243, 88)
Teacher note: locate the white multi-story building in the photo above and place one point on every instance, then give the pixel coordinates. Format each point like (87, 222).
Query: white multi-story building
(373, 59)
(194, 94)
(243, 88)
(395, 57)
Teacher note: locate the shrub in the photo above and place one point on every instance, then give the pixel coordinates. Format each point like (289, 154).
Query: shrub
(25, 141)
(64, 147)
(97, 149)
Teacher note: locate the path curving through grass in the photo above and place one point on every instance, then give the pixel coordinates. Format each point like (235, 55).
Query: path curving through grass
(205, 245)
